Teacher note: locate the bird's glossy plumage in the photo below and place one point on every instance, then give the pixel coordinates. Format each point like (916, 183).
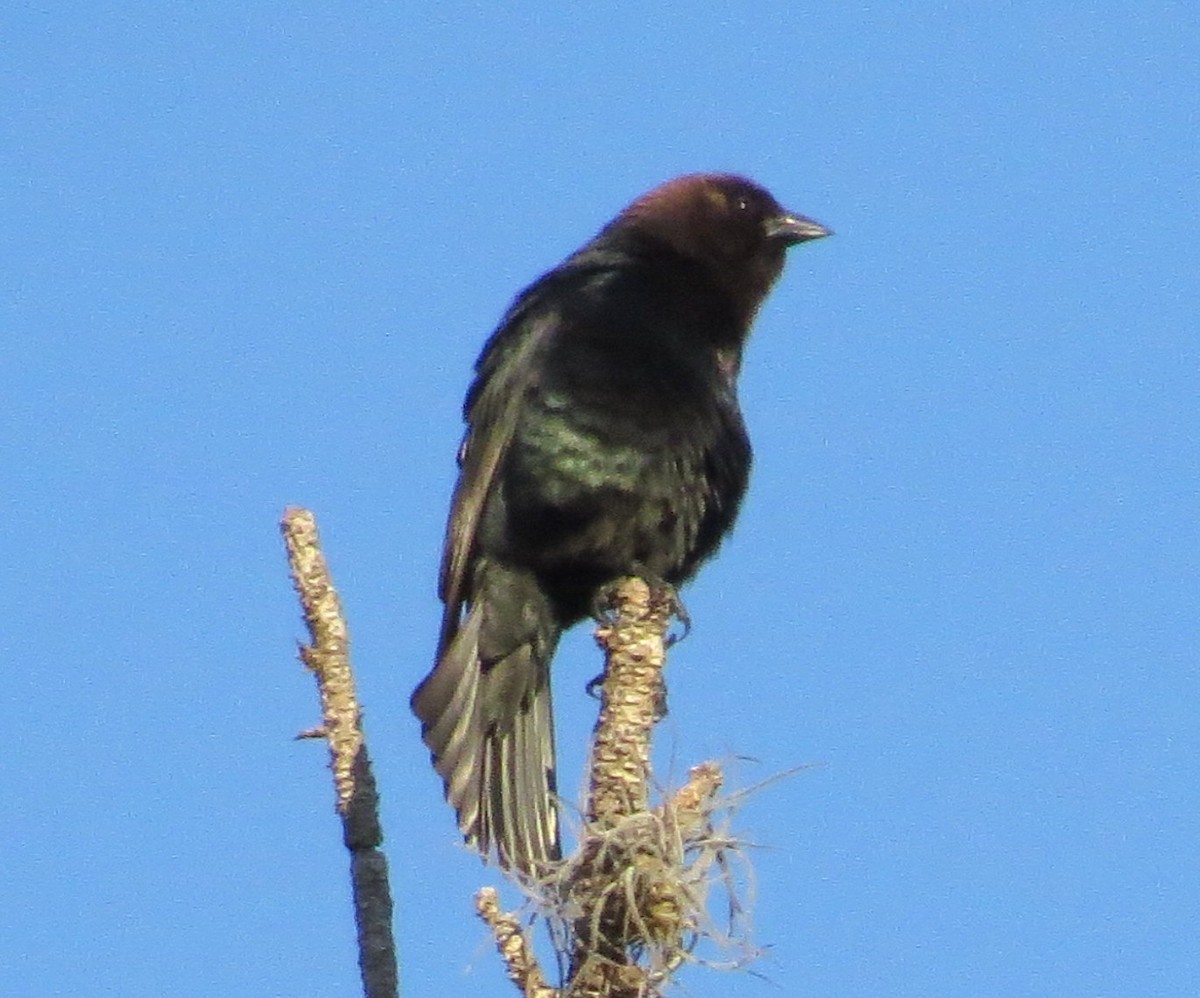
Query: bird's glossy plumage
(603, 439)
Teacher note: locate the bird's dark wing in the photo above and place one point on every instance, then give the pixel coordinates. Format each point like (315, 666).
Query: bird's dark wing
(485, 708)
(506, 373)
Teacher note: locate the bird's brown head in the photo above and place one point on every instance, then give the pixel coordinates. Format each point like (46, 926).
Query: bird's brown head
(729, 223)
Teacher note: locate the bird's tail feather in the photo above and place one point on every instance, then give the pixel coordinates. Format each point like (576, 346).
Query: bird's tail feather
(490, 730)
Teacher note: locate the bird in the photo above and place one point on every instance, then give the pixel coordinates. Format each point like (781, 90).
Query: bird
(603, 439)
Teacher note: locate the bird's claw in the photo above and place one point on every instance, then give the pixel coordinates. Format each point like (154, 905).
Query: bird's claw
(680, 613)
(603, 607)
(604, 602)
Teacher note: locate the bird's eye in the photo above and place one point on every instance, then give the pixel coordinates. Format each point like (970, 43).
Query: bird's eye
(741, 204)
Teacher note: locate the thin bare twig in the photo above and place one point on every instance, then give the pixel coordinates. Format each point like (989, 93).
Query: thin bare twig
(328, 657)
(519, 961)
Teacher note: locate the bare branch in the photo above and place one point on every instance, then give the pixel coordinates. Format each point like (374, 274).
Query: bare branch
(519, 961)
(328, 657)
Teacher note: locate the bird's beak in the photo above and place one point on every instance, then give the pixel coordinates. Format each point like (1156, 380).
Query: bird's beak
(790, 229)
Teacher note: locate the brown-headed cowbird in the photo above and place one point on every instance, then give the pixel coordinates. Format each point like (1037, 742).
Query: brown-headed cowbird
(604, 439)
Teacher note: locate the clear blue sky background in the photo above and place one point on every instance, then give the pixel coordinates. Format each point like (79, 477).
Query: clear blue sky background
(247, 257)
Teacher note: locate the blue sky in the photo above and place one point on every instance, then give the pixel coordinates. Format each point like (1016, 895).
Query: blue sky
(247, 257)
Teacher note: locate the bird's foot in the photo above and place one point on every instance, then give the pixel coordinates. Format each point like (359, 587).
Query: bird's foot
(668, 595)
(605, 602)
(680, 613)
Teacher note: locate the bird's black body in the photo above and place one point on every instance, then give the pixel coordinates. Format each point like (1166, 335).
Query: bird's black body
(604, 439)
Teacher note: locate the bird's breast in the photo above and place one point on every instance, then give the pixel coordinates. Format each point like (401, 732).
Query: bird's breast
(633, 485)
